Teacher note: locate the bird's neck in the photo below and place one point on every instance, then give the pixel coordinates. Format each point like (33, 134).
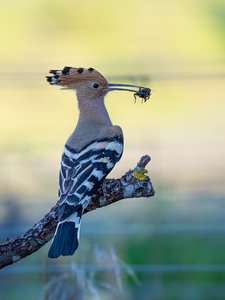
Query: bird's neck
(93, 117)
(93, 112)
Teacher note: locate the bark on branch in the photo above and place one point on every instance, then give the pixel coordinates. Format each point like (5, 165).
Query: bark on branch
(134, 184)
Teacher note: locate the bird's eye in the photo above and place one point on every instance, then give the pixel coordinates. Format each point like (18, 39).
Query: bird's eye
(95, 85)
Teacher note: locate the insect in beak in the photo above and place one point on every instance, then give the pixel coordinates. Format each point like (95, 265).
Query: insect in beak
(139, 91)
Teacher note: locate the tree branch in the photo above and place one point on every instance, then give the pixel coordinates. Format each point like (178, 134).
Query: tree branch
(112, 190)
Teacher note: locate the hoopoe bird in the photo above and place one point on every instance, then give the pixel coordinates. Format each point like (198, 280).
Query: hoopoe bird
(90, 153)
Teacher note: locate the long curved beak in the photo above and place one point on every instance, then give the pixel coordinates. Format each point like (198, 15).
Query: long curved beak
(139, 91)
(123, 87)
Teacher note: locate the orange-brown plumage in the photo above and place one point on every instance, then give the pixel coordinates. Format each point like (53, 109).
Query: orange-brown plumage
(88, 83)
(70, 77)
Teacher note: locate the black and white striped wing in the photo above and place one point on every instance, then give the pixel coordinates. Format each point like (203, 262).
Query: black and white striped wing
(83, 172)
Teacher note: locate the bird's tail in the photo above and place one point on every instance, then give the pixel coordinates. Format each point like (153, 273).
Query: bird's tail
(66, 239)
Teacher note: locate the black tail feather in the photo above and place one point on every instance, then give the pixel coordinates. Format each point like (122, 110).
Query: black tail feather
(65, 241)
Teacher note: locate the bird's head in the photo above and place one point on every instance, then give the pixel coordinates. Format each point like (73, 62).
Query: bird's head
(90, 84)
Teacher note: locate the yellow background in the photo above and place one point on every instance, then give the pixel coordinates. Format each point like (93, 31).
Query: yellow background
(178, 45)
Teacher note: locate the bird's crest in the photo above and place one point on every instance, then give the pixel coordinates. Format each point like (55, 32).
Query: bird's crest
(69, 77)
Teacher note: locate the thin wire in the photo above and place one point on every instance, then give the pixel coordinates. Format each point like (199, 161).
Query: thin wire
(134, 78)
(168, 229)
(145, 268)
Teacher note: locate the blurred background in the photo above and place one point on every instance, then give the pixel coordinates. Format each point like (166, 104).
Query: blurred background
(170, 246)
